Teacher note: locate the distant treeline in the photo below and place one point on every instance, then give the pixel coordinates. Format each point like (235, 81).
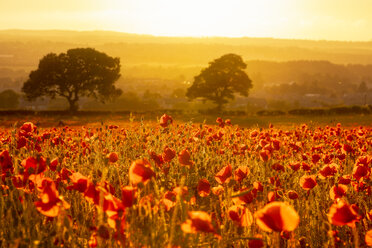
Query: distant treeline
(344, 110)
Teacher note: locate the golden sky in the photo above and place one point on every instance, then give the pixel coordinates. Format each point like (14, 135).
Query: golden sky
(300, 19)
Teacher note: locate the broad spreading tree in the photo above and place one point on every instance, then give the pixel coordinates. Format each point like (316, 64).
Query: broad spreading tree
(219, 82)
(80, 72)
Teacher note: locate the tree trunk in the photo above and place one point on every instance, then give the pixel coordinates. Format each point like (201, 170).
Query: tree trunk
(73, 105)
(219, 107)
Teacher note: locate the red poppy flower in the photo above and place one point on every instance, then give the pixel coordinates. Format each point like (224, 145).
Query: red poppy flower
(328, 170)
(198, 221)
(258, 186)
(79, 182)
(28, 127)
(276, 144)
(53, 164)
(165, 120)
(33, 165)
(169, 200)
(113, 157)
(21, 142)
(181, 191)
(347, 148)
(6, 164)
(277, 216)
(128, 196)
(157, 158)
(277, 167)
(240, 215)
(292, 194)
(264, 155)
(50, 203)
(337, 191)
(315, 158)
(360, 172)
(305, 166)
(273, 196)
(341, 214)
(168, 154)
(308, 182)
(184, 158)
(295, 166)
(224, 175)
(245, 197)
(256, 243)
(240, 173)
(204, 187)
(140, 171)
(344, 180)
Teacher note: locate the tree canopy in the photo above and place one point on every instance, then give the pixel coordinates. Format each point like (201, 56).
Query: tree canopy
(219, 82)
(9, 99)
(80, 72)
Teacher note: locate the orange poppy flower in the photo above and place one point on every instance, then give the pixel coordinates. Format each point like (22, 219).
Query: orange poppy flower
(240, 173)
(308, 182)
(140, 171)
(224, 175)
(341, 214)
(277, 216)
(204, 187)
(184, 158)
(368, 238)
(198, 221)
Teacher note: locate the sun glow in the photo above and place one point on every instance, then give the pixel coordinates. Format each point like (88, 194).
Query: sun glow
(309, 19)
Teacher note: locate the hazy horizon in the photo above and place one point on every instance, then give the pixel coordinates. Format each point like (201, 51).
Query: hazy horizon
(170, 36)
(288, 19)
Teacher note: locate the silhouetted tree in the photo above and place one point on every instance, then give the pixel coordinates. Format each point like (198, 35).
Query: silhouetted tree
(218, 82)
(78, 72)
(9, 99)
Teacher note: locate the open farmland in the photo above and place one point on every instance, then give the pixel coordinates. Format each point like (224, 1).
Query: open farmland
(177, 184)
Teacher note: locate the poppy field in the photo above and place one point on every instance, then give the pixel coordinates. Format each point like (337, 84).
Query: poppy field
(177, 184)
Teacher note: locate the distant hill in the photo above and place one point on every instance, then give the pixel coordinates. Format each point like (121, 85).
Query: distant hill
(24, 48)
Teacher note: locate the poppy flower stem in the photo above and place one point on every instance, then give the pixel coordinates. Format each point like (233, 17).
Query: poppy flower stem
(356, 236)
(277, 239)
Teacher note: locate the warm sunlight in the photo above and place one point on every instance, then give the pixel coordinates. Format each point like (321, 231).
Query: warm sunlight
(308, 19)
